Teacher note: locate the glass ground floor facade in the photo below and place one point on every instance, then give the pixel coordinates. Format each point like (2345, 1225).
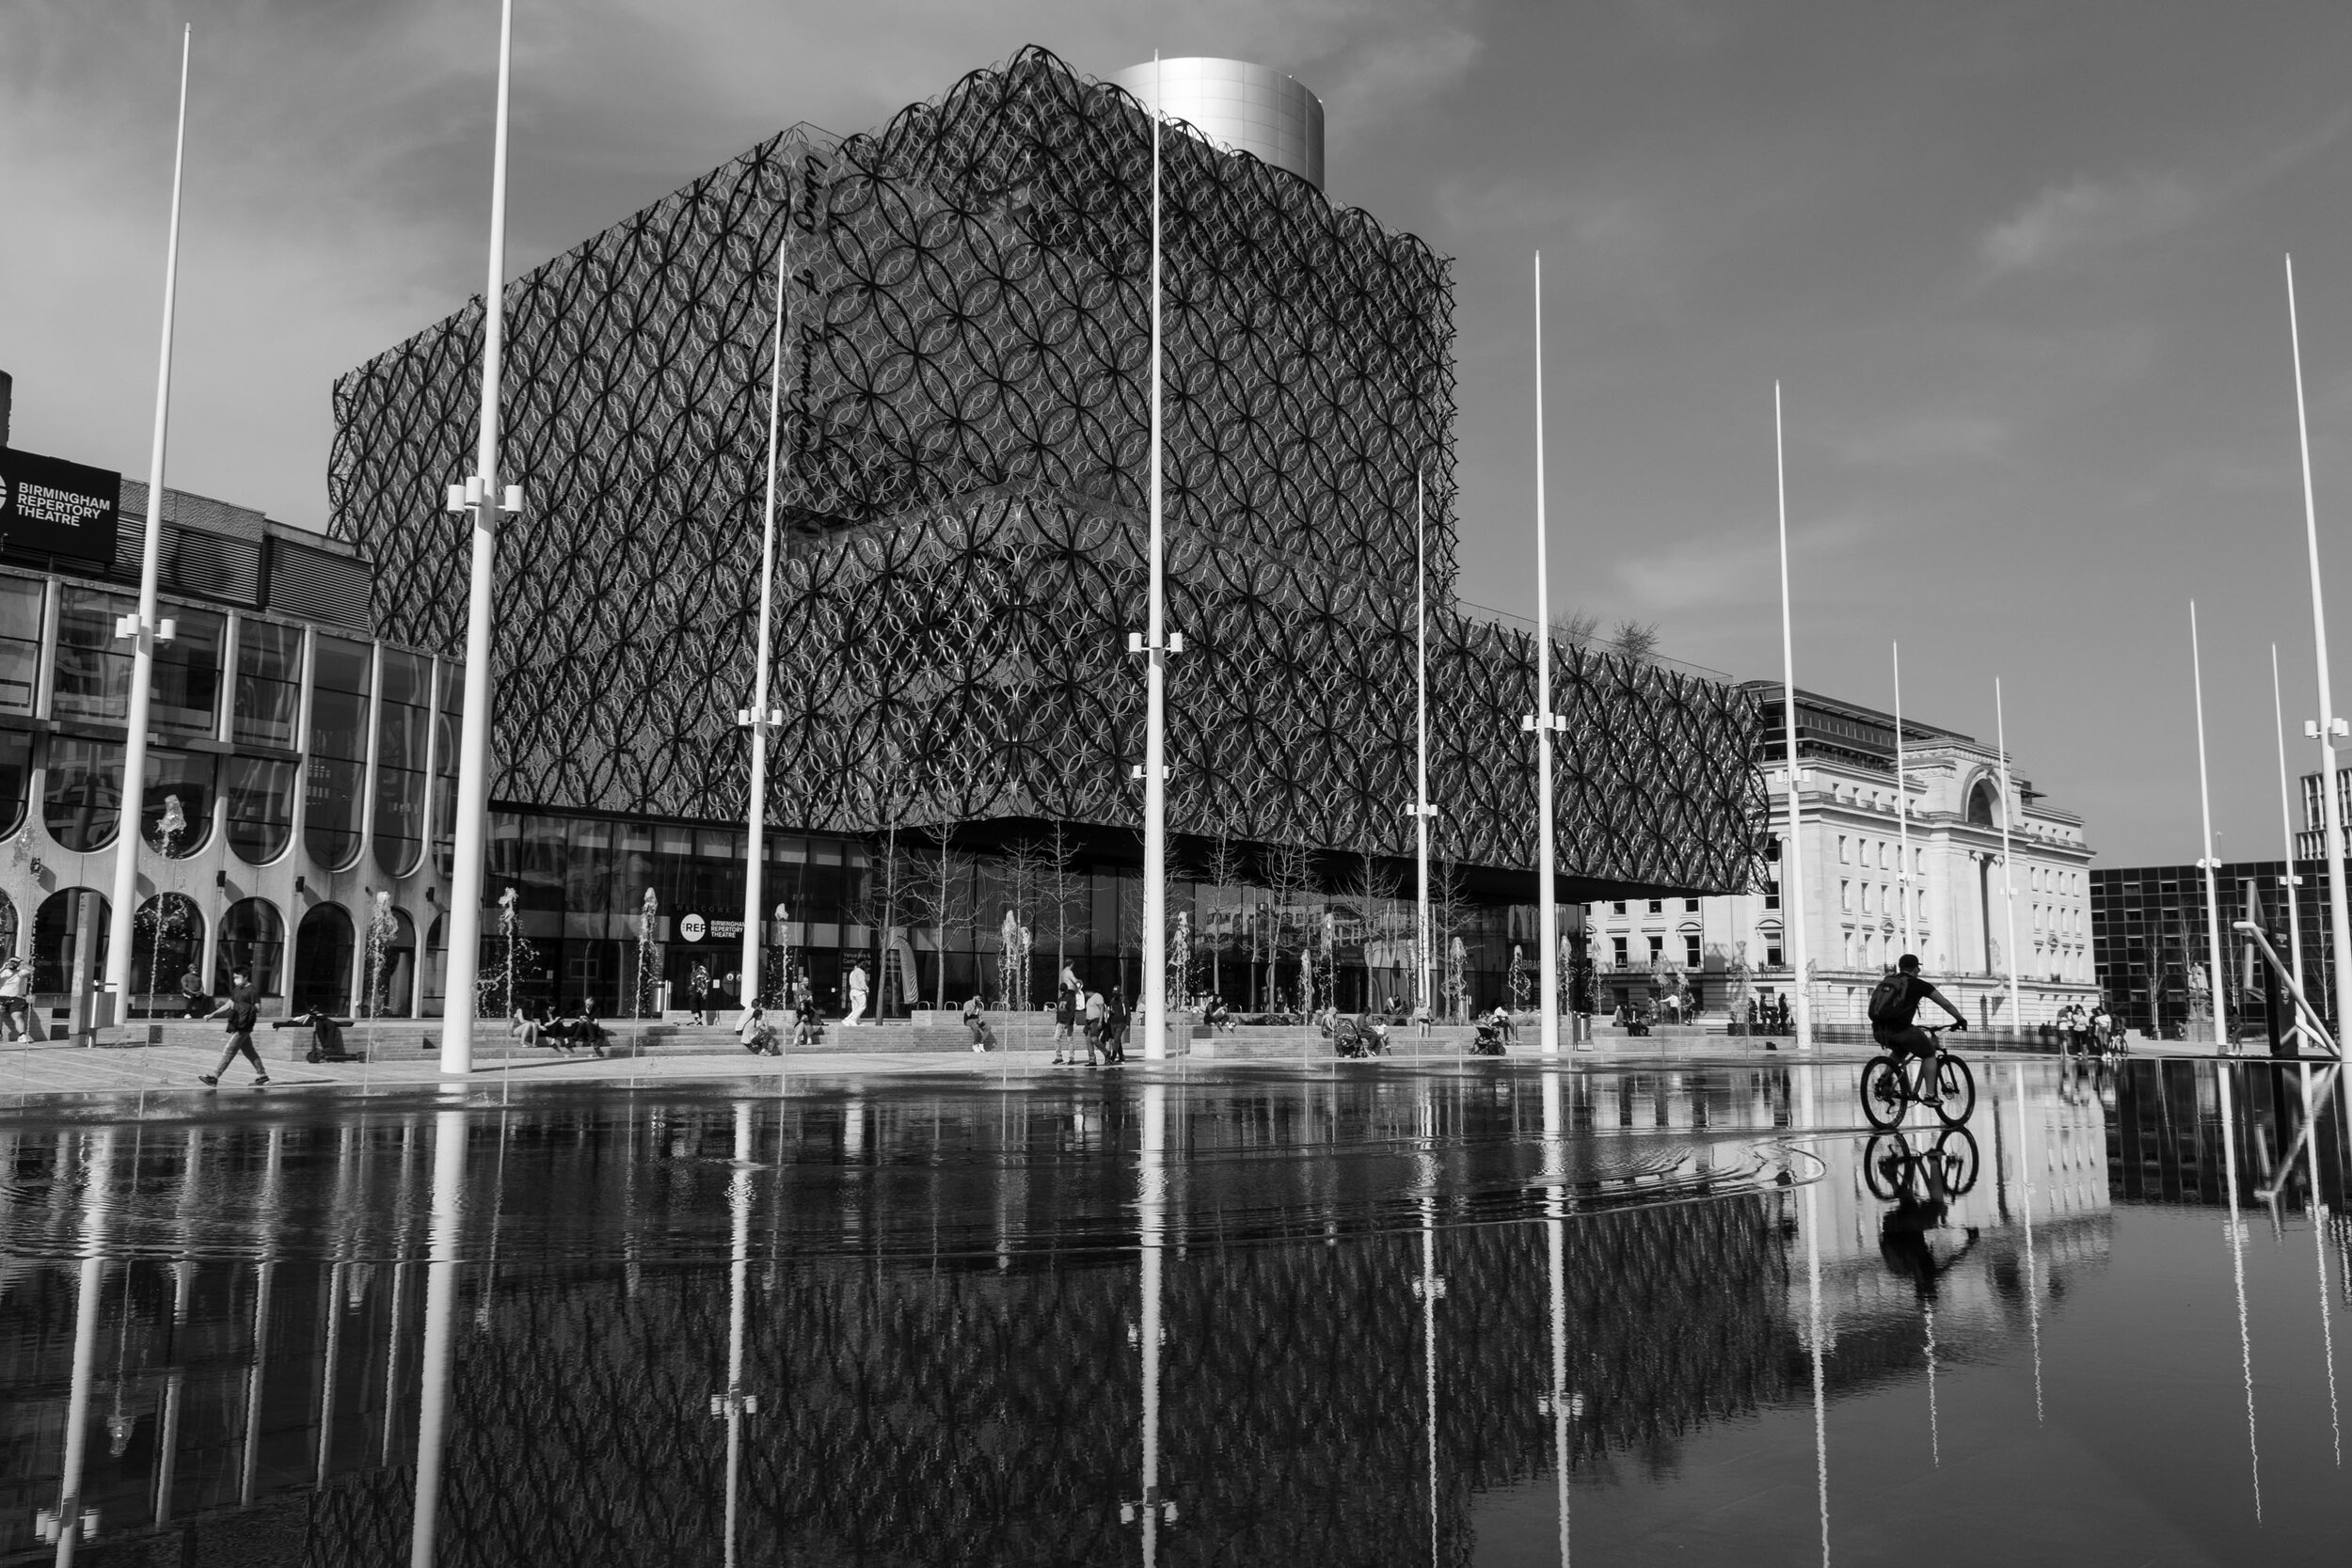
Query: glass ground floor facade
(632, 917)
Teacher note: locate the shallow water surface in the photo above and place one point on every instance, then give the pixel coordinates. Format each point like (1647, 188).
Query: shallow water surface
(1371, 1314)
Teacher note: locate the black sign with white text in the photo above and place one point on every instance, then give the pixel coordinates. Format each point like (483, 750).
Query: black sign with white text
(49, 506)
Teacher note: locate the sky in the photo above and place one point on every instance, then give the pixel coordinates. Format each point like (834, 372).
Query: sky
(2017, 268)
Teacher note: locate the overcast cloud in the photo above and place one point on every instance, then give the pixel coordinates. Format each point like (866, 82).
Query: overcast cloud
(2018, 266)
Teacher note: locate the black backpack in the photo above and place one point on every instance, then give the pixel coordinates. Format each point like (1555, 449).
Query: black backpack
(1889, 995)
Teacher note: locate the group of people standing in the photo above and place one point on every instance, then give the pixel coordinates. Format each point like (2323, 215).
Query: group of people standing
(2089, 1029)
(1103, 1021)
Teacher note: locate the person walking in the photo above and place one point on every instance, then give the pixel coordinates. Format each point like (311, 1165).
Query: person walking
(1065, 1023)
(242, 1007)
(1093, 1025)
(698, 989)
(1115, 1022)
(16, 1006)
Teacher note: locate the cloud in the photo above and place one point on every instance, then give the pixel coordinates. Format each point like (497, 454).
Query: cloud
(2069, 223)
(1731, 567)
(1387, 75)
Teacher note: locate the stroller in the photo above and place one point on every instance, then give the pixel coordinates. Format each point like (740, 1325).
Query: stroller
(1358, 1038)
(1489, 1040)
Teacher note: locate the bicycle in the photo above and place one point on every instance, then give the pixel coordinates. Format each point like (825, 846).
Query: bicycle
(1939, 1172)
(1887, 1092)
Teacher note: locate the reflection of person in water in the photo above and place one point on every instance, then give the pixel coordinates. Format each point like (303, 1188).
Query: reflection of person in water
(1908, 1233)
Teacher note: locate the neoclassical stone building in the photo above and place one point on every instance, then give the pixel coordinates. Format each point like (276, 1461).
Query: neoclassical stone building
(1856, 886)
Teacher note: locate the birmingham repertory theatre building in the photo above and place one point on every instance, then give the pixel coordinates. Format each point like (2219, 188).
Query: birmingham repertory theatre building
(962, 508)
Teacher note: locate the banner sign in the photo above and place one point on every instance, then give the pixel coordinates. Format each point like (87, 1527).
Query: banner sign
(51, 507)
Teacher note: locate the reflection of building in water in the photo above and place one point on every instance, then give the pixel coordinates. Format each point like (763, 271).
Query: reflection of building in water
(941, 1317)
(2165, 1133)
(2058, 1150)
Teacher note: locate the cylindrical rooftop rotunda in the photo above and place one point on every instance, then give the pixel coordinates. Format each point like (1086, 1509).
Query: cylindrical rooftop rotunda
(1241, 107)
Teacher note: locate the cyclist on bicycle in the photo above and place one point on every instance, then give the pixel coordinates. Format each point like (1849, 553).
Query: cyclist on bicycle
(1894, 1005)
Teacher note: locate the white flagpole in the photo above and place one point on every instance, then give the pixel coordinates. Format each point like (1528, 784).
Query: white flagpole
(2009, 874)
(1902, 806)
(482, 498)
(1421, 812)
(1154, 987)
(2211, 863)
(1545, 723)
(2292, 881)
(2329, 726)
(144, 634)
(759, 717)
(1793, 917)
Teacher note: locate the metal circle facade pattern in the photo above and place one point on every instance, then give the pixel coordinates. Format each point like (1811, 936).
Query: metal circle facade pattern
(1238, 106)
(966, 453)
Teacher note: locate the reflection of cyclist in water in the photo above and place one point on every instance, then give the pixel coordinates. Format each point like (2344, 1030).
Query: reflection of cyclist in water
(1908, 1232)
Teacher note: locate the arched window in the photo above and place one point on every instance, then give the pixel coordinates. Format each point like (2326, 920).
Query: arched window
(69, 923)
(252, 938)
(7, 927)
(321, 966)
(82, 803)
(166, 942)
(390, 980)
(176, 817)
(400, 746)
(1981, 805)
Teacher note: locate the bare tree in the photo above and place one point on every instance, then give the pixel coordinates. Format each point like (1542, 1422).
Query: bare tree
(1575, 628)
(1636, 640)
(1450, 913)
(1290, 875)
(1375, 893)
(942, 896)
(1223, 871)
(1062, 896)
(891, 878)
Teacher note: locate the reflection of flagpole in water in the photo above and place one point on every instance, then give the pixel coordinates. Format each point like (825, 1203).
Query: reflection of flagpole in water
(1429, 1287)
(345, 1207)
(1151, 1231)
(1813, 1300)
(2318, 1210)
(1557, 1401)
(264, 1270)
(2033, 1264)
(1935, 1430)
(440, 1307)
(183, 1283)
(97, 1172)
(735, 1403)
(2237, 1271)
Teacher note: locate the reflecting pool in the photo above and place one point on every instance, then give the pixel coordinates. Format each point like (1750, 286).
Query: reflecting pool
(1364, 1314)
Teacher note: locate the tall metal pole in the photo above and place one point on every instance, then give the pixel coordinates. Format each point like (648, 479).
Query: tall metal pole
(1902, 806)
(1154, 987)
(1422, 811)
(2329, 725)
(2210, 863)
(473, 746)
(2292, 882)
(2009, 873)
(1546, 725)
(1792, 847)
(759, 719)
(143, 635)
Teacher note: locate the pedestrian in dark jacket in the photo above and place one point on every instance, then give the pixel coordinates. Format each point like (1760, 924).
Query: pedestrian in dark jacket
(1115, 1022)
(242, 1007)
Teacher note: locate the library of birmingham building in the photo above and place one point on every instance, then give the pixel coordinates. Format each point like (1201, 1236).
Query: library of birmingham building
(962, 520)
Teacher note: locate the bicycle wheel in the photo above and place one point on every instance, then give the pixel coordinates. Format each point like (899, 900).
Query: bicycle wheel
(1884, 1097)
(1886, 1164)
(1957, 1160)
(1958, 1085)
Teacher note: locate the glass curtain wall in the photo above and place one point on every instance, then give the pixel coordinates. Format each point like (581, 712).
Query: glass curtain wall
(183, 692)
(269, 684)
(93, 676)
(449, 721)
